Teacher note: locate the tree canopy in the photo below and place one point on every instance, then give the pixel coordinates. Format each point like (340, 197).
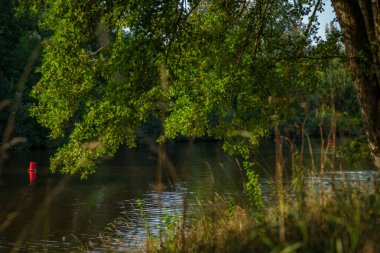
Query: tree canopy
(20, 39)
(200, 68)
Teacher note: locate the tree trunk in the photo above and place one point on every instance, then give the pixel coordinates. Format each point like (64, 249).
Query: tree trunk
(360, 25)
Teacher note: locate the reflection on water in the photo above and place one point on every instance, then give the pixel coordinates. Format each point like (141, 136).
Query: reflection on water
(147, 217)
(62, 212)
(360, 179)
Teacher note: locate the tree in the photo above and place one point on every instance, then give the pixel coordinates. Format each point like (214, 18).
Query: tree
(201, 67)
(19, 36)
(360, 24)
(100, 75)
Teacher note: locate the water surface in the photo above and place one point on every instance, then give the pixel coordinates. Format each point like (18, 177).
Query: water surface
(64, 212)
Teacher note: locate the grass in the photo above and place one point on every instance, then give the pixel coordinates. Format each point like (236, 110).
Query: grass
(344, 218)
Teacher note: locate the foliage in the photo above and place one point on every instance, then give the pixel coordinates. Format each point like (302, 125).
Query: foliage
(253, 188)
(201, 67)
(354, 151)
(343, 218)
(92, 91)
(333, 221)
(19, 36)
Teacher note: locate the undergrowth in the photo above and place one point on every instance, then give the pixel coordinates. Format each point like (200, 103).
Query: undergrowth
(338, 219)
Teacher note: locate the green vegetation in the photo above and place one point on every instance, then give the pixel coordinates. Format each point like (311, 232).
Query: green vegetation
(19, 36)
(113, 73)
(343, 218)
(189, 69)
(332, 222)
(175, 69)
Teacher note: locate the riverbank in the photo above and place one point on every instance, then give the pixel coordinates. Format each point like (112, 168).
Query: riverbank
(344, 217)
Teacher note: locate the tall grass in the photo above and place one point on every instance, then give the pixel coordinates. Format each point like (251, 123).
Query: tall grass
(335, 221)
(343, 218)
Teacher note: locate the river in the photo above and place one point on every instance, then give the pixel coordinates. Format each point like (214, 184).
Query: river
(64, 213)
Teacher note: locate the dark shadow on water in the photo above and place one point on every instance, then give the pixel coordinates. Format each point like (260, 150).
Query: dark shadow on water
(62, 212)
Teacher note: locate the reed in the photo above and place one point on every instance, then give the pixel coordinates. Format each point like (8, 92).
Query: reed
(343, 218)
(333, 221)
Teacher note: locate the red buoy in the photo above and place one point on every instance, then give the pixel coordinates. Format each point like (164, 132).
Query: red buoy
(32, 172)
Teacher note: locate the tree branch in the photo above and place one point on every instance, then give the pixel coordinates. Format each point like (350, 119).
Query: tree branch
(312, 18)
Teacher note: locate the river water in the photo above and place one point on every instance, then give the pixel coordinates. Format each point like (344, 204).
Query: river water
(64, 213)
